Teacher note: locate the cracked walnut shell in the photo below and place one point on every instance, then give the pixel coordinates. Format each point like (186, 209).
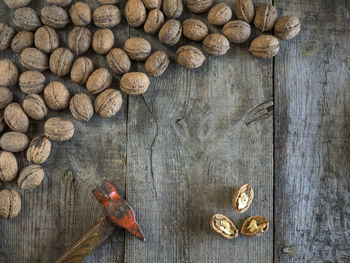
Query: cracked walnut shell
(255, 226)
(39, 150)
(223, 226)
(242, 198)
(58, 129)
(10, 204)
(30, 177)
(265, 46)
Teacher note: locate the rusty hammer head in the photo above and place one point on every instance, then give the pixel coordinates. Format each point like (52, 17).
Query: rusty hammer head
(119, 211)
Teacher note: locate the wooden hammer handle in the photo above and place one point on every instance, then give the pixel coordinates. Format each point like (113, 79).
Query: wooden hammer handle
(87, 242)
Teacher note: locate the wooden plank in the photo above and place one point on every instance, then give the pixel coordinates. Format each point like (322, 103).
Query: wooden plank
(312, 140)
(192, 138)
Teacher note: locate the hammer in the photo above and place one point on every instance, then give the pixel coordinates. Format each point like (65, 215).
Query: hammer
(119, 213)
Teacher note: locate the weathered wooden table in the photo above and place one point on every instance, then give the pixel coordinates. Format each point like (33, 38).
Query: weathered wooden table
(178, 151)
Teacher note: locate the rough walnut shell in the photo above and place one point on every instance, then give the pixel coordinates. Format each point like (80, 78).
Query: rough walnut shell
(137, 48)
(22, 40)
(15, 118)
(134, 83)
(8, 166)
(81, 70)
(152, 4)
(172, 8)
(237, 31)
(61, 3)
(30, 177)
(170, 33)
(219, 217)
(199, 6)
(6, 97)
(54, 16)
(56, 95)
(81, 107)
(8, 73)
(10, 204)
(25, 18)
(14, 4)
(2, 123)
(58, 129)
(99, 80)
(79, 40)
(6, 35)
(108, 2)
(46, 39)
(61, 61)
(265, 17)
(154, 21)
(102, 41)
(39, 150)
(157, 63)
(108, 103)
(287, 27)
(243, 189)
(106, 16)
(32, 81)
(80, 14)
(14, 141)
(265, 46)
(244, 10)
(190, 57)
(34, 59)
(135, 13)
(35, 107)
(260, 220)
(118, 61)
(219, 14)
(216, 44)
(194, 29)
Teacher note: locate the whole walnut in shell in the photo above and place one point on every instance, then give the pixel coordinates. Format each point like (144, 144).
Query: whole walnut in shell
(15, 118)
(14, 4)
(108, 103)
(14, 141)
(219, 14)
(102, 41)
(134, 83)
(79, 40)
(10, 204)
(54, 16)
(118, 61)
(265, 17)
(80, 14)
(190, 57)
(81, 70)
(32, 81)
(34, 59)
(170, 33)
(61, 61)
(22, 40)
(6, 35)
(6, 97)
(216, 44)
(172, 8)
(199, 6)
(30, 177)
(62, 3)
(135, 13)
(35, 107)
(137, 48)
(99, 80)
(46, 39)
(81, 107)
(265, 46)
(58, 129)
(152, 4)
(107, 16)
(157, 63)
(8, 73)
(56, 95)
(154, 21)
(25, 18)
(194, 29)
(237, 31)
(8, 166)
(244, 10)
(39, 150)
(287, 27)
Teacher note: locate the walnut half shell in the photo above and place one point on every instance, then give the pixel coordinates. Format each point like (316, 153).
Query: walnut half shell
(223, 226)
(255, 226)
(242, 198)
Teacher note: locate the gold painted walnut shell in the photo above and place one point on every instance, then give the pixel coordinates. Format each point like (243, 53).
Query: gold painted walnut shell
(223, 226)
(242, 198)
(255, 226)
(10, 204)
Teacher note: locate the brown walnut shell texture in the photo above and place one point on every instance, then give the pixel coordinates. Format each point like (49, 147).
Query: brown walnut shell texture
(108, 2)
(102, 41)
(246, 188)
(216, 44)
(22, 40)
(6, 35)
(170, 33)
(190, 57)
(14, 141)
(32, 81)
(2, 123)
(244, 10)
(237, 31)
(260, 220)
(30, 177)
(56, 95)
(265, 17)
(134, 83)
(6, 97)
(135, 13)
(157, 63)
(61, 3)
(219, 14)
(108, 103)
(25, 18)
(35, 107)
(81, 107)
(265, 46)
(79, 40)
(219, 231)
(8, 73)
(287, 27)
(54, 16)
(61, 61)
(46, 39)
(106, 16)
(154, 21)
(99, 80)
(14, 4)
(39, 150)
(199, 6)
(194, 29)
(58, 129)
(172, 8)
(8, 166)
(15, 118)
(152, 4)
(10, 204)
(81, 70)
(80, 14)
(34, 59)
(118, 61)
(137, 48)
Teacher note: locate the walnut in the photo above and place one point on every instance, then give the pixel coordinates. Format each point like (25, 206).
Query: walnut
(15, 118)
(8, 166)
(54, 16)
(46, 39)
(106, 16)
(135, 13)
(137, 48)
(154, 21)
(108, 2)
(265, 46)
(199, 6)
(152, 4)
(118, 61)
(190, 57)
(61, 61)
(287, 27)
(32, 81)
(172, 8)
(244, 10)
(6, 35)
(8, 73)
(80, 14)
(108, 103)
(223, 226)
(58, 129)
(14, 141)
(81, 70)
(56, 95)
(34, 59)
(219, 14)
(6, 97)
(14, 4)
(242, 198)
(10, 204)
(30, 177)
(265, 17)
(39, 150)
(79, 40)
(81, 107)
(170, 33)
(134, 83)
(194, 29)
(157, 63)
(35, 107)
(99, 80)
(25, 18)
(237, 31)
(255, 226)
(62, 3)
(102, 41)
(22, 40)
(216, 44)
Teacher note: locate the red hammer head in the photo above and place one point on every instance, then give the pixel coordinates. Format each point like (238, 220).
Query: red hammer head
(119, 211)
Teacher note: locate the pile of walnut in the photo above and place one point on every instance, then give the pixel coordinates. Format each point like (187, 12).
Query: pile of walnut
(38, 44)
(252, 226)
